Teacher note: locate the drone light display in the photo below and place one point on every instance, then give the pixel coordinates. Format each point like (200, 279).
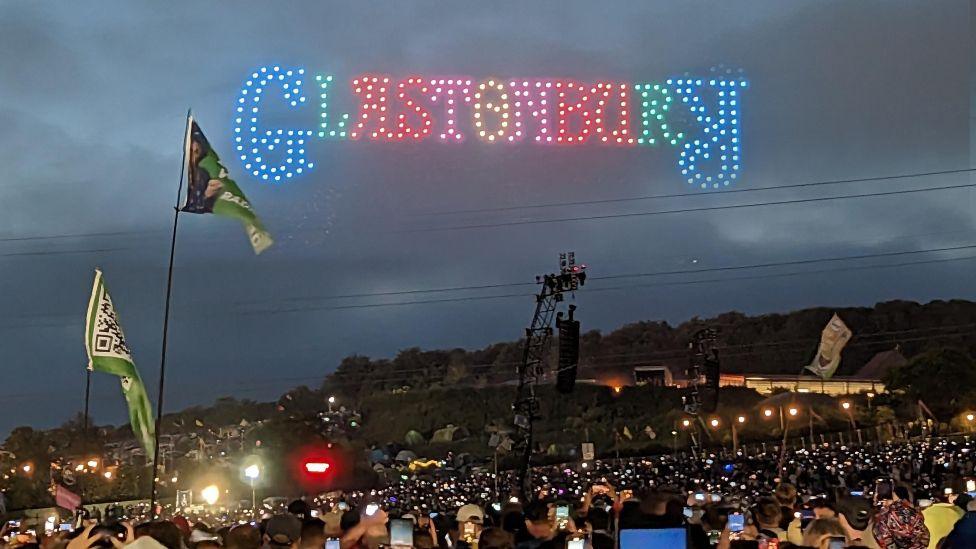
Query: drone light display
(699, 117)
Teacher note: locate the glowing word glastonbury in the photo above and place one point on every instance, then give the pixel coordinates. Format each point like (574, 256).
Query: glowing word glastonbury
(699, 116)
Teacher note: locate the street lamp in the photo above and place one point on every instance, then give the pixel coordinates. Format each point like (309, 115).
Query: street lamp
(108, 475)
(210, 494)
(27, 468)
(793, 411)
(970, 417)
(685, 423)
(768, 412)
(735, 433)
(93, 463)
(251, 473)
(845, 405)
(331, 401)
(714, 423)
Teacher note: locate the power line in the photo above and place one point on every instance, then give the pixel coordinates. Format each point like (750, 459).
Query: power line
(73, 235)
(701, 194)
(688, 210)
(61, 252)
(638, 275)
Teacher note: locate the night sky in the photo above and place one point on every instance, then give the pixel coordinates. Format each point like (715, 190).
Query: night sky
(92, 103)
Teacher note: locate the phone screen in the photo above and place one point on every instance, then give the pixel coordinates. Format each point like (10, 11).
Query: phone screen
(689, 512)
(736, 522)
(837, 542)
(562, 512)
(882, 489)
(401, 533)
(371, 509)
(578, 543)
(332, 543)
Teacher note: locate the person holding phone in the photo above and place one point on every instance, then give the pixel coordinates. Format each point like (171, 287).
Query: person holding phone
(825, 533)
(541, 528)
(898, 523)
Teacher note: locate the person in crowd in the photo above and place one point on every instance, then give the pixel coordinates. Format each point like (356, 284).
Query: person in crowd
(203, 537)
(819, 533)
(598, 526)
(243, 536)
(496, 538)
(367, 532)
(963, 534)
(940, 518)
(471, 520)
(785, 494)
(313, 534)
(283, 532)
(163, 531)
(541, 528)
(768, 515)
(899, 524)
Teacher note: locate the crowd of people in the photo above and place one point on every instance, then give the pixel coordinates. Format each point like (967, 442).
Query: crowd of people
(899, 495)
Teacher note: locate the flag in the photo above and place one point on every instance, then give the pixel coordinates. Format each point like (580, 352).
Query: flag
(832, 340)
(65, 498)
(210, 189)
(109, 353)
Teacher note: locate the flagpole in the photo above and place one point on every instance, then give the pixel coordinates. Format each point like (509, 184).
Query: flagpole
(87, 398)
(162, 355)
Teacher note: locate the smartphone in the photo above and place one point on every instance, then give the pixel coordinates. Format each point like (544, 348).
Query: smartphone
(883, 489)
(699, 497)
(689, 512)
(432, 515)
(371, 509)
(837, 542)
(401, 533)
(343, 506)
(857, 493)
(65, 527)
(578, 543)
(497, 507)
(736, 522)
(332, 543)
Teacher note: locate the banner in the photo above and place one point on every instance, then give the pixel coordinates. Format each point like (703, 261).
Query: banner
(66, 499)
(832, 340)
(210, 189)
(109, 353)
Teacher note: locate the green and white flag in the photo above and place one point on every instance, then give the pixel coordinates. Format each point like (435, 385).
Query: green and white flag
(108, 353)
(210, 189)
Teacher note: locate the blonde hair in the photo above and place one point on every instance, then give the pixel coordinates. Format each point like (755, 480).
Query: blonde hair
(819, 528)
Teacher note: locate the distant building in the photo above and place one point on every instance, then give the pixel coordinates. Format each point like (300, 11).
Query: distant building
(866, 380)
(657, 375)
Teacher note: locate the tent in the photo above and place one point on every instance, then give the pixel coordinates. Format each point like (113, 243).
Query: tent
(406, 456)
(413, 438)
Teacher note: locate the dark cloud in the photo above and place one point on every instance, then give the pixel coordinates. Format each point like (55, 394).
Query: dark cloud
(92, 99)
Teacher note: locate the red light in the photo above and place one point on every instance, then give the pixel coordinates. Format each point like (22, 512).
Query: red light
(316, 467)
